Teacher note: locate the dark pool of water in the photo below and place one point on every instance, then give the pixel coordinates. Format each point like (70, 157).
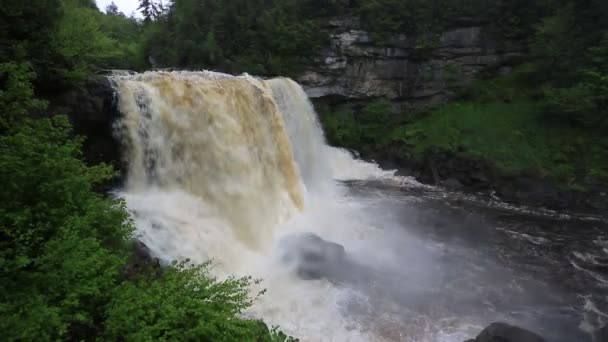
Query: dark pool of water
(542, 270)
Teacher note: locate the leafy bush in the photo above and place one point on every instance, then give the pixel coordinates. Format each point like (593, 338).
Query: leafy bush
(80, 43)
(586, 102)
(63, 248)
(185, 304)
(61, 244)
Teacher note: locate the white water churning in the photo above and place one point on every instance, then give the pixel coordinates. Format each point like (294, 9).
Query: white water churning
(220, 167)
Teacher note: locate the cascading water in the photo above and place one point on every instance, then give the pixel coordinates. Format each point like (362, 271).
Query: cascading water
(219, 138)
(225, 168)
(219, 167)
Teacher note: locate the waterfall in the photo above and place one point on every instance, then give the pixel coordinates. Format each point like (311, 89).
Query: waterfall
(304, 131)
(220, 138)
(227, 168)
(220, 166)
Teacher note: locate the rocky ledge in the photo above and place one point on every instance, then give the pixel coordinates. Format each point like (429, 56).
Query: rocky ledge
(409, 70)
(456, 172)
(92, 111)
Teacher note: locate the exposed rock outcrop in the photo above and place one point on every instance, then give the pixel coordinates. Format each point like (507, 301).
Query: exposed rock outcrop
(602, 334)
(142, 261)
(312, 257)
(92, 111)
(412, 70)
(457, 172)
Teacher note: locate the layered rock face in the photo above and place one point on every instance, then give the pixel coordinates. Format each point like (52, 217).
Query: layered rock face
(417, 70)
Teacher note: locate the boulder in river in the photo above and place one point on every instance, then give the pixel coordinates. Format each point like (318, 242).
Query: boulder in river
(311, 256)
(502, 332)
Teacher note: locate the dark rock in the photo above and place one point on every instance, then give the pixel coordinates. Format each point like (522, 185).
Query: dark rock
(311, 256)
(92, 111)
(502, 332)
(479, 176)
(357, 66)
(452, 183)
(529, 188)
(598, 201)
(142, 261)
(602, 334)
(432, 167)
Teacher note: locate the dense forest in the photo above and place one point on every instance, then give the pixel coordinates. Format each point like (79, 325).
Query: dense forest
(66, 257)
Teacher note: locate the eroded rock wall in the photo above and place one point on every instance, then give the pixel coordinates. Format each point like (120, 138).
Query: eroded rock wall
(413, 70)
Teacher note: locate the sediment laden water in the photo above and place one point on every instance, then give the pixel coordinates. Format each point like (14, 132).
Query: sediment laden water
(217, 137)
(219, 167)
(223, 167)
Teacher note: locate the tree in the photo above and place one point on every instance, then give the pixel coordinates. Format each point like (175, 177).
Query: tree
(61, 244)
(586, 101)
(112, 9)
(550, 61)
(80, 45)
(25, 30)
(146, 8)
(159, 9)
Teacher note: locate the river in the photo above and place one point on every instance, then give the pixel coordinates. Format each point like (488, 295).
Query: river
(227, 168)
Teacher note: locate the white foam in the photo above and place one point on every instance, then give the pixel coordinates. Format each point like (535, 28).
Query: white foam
(207, 175)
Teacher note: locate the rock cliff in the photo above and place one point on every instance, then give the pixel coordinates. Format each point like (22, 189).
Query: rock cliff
(414, 71)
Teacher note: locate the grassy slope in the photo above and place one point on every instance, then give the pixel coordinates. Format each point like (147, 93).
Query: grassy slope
(506, 128)
(515, 137)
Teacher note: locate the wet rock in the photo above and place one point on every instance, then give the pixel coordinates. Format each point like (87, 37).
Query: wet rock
(528, 190)
(312, 257)
(602, 334)
(479, 176)
(142, 261)
(92, 111)
(452, 183)
(455, 171)
(502, 332)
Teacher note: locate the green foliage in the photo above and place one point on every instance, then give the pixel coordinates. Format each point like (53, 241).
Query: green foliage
(25, 30)
(514, 136)
(506, 88)
(66, 40)
(385, 17)
(550, 59)
(16, 95)
(128, 36)
(367, 129)
(80, 44)
(186, 304)
(261, 37)
(64, 248)
(585, 102)
(61, 244)
(146, 9)
(419, 18)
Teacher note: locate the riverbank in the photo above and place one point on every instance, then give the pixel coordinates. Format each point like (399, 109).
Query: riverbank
(506, 146)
